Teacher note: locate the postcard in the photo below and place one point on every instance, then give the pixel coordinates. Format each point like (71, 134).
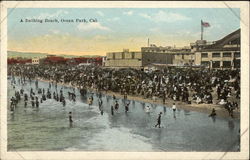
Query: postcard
(124, 80)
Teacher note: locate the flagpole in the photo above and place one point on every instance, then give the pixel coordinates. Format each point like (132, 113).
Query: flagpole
(201, 31)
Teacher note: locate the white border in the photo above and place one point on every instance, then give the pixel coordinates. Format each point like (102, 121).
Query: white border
(243, 154)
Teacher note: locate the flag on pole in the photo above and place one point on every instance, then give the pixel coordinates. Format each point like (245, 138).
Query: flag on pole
(205, 24)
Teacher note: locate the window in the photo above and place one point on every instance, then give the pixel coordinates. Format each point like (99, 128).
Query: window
(216, 55)
(227, 54)
(204, 55)
(205, 63)
(113, 55)
(216, 64)
(237, 63)
(123, 55)
(236, 54)
(226, 64)
(133, 55)
(182, 56)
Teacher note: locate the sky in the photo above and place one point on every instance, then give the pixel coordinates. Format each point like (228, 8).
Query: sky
(114, 29)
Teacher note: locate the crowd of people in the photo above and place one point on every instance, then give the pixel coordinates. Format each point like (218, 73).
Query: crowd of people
(35, 98)
(178, 84)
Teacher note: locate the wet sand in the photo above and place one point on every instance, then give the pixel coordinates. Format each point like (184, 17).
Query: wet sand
(203, 108)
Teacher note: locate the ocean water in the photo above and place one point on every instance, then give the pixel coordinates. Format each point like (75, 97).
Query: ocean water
(47, 128)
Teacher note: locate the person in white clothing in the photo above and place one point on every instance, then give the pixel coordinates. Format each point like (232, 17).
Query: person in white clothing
(174, 107)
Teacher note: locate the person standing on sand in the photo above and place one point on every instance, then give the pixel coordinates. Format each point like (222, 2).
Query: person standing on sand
(163, 97)
(159, 120)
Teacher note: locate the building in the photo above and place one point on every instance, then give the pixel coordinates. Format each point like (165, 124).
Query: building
(223, 53)
(35, 61)
(170, 55)
(19, 60)
(136, 59)
(124, 59)
(156, 57)
(53, 59)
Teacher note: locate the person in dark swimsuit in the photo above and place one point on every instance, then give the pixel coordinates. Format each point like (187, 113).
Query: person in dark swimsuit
(70, 117)
(213, 113)
(112, 110)
(159, 120)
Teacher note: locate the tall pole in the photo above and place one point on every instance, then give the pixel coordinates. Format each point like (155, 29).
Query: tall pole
(201, 31)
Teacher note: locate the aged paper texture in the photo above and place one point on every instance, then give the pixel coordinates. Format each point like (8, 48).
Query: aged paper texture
(124, 80)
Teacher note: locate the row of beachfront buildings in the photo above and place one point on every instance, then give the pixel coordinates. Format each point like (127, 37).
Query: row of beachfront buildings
(223, 53)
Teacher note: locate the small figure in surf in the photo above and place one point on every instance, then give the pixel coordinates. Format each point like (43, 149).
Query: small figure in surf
(213, 114)
(159, 120)
(116, 106)
(112, 110)
(174, 107)
(70, 117)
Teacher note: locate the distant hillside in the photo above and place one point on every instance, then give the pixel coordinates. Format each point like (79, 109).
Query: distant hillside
(25, 54)
(40, 55)
(90, 56)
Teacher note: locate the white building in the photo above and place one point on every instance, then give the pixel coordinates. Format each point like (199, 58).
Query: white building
(35, 60)
(223, 53)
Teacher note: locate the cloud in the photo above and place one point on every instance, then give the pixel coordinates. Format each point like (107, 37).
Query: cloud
(100, 13)
(214, 25)
(49, 15)
(129, 13)
(114, 19)
(55, 31)
(162, 16)
(154, 29)
(145, 15)
(92, 26)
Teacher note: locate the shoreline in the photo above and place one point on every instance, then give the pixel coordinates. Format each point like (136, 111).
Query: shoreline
(202, 108)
